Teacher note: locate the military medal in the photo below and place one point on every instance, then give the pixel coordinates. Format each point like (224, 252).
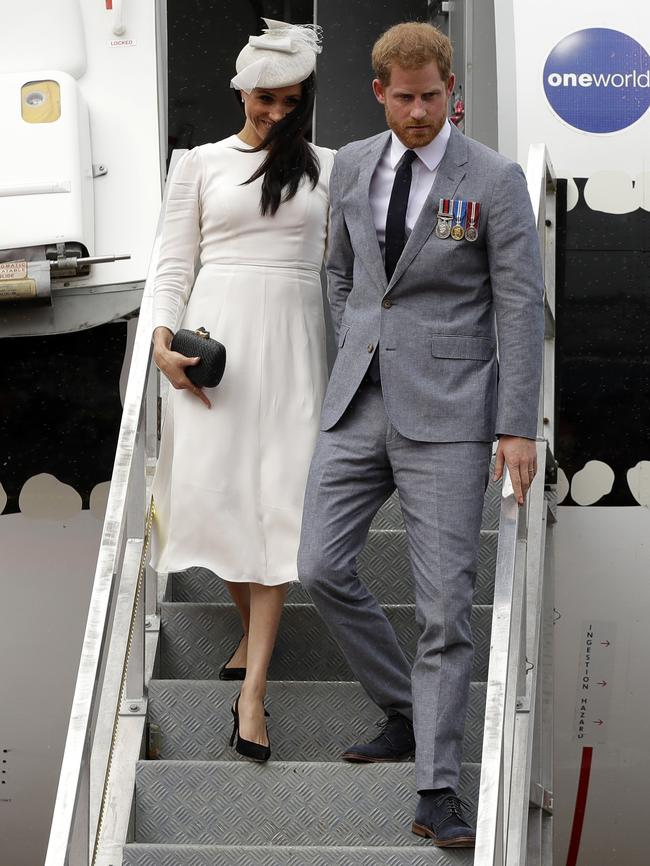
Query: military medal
(471, 232)
(458, 231)
(443, 227)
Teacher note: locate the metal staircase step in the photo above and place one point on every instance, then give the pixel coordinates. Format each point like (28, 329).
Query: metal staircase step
(309, 721)
(389, 515)
(383, 566)
(196, 639)
(297, 804)
(202, 805)
(215, 855)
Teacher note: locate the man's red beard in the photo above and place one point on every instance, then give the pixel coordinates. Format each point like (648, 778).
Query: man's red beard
(415, 137)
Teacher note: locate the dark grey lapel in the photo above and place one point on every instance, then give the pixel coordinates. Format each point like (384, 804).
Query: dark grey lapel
(369, 250)
(450, 173)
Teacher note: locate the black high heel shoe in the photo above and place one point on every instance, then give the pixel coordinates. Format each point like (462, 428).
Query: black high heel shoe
(252, 751)
(227, 673)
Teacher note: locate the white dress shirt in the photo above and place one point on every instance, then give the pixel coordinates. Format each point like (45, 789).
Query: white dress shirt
(424, 169)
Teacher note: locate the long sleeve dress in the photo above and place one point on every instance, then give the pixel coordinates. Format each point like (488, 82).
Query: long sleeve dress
(230, 480)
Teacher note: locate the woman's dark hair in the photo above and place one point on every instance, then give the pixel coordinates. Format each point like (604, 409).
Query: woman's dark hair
(289, 155)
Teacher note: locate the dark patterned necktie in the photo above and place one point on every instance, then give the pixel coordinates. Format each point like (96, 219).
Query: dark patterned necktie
(396, 218)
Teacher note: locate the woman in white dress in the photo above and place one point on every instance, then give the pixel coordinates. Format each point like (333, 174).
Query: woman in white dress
(233, 462)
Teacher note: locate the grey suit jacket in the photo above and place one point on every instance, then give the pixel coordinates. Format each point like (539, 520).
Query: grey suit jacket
(437, 320)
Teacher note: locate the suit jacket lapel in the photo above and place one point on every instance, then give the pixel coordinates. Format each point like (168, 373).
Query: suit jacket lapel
(369, 250)
(450, 173)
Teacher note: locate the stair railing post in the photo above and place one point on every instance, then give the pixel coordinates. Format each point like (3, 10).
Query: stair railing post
(136, 516)
(492, 812)
(529, 794)
(525, 712)
(152, 423)
(503, 811)
(545, 715)
(516, 663)
(76, 819)
(80, 849)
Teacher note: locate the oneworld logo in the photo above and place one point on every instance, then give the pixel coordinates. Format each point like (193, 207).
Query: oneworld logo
(598, 80)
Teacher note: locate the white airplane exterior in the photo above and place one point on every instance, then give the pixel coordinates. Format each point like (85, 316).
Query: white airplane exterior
(83, 154)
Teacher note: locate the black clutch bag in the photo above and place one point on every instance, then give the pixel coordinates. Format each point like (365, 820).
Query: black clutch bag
(198, 344)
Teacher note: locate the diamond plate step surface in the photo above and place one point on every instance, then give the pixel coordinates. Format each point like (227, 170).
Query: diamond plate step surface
(200, 805)
(215, 855)
(309, 721)
(301, 804)
(196, 639)
(389, 515)
(383, 566)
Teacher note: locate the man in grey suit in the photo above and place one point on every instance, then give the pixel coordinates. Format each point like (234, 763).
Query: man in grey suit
(433, 254)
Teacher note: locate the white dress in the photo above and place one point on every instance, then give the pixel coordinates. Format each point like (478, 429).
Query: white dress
(230, 480)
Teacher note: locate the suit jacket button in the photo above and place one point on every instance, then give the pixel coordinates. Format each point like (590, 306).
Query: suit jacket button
(387, 304)
(371, 348)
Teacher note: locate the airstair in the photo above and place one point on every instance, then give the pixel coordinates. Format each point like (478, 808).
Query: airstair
(148, 777)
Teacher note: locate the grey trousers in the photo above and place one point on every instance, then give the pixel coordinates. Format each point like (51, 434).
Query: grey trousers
(356, 466)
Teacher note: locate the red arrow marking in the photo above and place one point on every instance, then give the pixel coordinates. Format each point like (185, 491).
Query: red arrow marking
(602, 683)
(604, 643)
(599, 722)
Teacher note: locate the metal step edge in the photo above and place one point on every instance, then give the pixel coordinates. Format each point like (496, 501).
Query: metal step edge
(384, 566)
(399, 766)
(142, 854)
(208, 684)
(402, 529)
(310, 720)
(281, 803)
(196, 639)
(229, 605)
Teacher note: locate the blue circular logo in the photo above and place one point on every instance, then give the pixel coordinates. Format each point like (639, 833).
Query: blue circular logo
(598, 80)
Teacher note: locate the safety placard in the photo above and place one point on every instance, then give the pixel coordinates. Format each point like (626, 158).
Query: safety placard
(13, 270)
(594, 687)
(11, 290)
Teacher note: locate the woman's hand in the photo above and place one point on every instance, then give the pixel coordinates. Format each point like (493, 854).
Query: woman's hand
(173, 364)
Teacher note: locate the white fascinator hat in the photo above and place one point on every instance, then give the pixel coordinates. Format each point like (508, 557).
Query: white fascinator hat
(284, 54)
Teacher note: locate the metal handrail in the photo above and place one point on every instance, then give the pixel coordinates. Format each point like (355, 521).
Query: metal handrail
(76, 821)
(518, 611)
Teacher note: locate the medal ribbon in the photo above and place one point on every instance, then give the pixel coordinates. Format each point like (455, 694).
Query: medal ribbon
(460, 208)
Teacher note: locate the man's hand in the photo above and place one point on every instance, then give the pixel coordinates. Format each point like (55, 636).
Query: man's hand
(173, 364)
(520, 455)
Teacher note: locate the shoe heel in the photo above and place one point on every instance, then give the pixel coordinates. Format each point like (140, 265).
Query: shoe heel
(252, 751)
(235, 722)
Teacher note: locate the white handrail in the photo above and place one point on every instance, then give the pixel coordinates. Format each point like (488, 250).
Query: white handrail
(74, 825)
(502, 822)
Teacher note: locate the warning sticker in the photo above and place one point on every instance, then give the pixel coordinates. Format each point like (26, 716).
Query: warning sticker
(13, 270)
(11, 290)
(596, 666)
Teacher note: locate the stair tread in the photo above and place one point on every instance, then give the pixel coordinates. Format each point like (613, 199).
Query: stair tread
(199, 804)
(383, 565)
(389, 515)
(300, 605)
(282, 803)
(310, 720)
(196, 639)
(142, 854)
